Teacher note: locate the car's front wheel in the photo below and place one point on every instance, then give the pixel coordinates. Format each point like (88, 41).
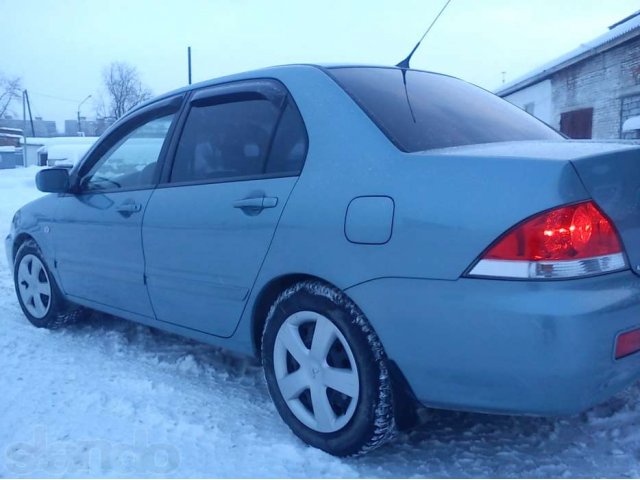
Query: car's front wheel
(38, 294)
(326, 370)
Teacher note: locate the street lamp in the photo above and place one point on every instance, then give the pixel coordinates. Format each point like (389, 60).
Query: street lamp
(80, 132)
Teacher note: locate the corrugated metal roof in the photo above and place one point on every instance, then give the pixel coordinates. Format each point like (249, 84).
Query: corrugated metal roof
(623, 30)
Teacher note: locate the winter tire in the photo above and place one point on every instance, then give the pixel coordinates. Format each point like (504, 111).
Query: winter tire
(39, 296)
(326, 370)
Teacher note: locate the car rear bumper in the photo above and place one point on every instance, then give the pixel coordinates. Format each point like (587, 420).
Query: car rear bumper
(507, 346)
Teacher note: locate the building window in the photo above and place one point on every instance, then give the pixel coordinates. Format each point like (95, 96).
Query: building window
(577, 123)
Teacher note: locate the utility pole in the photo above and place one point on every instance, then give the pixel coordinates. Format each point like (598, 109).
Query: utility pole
(24, 130)
(26, 96)
(189, 63)
(80, 132)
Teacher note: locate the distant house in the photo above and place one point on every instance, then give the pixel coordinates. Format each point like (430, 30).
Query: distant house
(590, 92)
(65, 150)
(90, 128)
(42, 128)
(9, 158)
(10, 137)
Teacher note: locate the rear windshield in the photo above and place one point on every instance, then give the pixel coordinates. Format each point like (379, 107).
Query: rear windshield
(421, 111)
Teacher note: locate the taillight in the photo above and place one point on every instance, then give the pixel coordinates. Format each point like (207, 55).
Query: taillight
(571, 241)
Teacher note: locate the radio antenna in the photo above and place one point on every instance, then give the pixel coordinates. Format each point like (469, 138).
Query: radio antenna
(405, 63)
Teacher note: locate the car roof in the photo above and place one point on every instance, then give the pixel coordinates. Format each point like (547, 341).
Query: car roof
(264, 72)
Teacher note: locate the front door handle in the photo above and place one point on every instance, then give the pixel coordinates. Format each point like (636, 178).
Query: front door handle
(128, 208)
(256, 204)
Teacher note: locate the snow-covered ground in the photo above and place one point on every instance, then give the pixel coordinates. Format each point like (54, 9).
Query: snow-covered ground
(110, 398)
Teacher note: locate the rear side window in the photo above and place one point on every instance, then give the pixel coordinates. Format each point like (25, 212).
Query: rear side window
(422, 111)
(240, 139)
(289, 147)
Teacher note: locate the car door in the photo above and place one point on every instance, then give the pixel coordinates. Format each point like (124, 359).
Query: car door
(209, 225)
(98, 228)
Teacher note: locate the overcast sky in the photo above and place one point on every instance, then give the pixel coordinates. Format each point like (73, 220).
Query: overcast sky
(60, 47)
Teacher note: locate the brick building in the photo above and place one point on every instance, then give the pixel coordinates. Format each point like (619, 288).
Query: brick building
(590, 92)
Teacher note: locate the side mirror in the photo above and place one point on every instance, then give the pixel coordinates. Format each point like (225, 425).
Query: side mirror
(53, 180)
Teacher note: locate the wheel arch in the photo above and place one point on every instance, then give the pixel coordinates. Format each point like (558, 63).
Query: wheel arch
(268, 294)
(404, 398)
(43, 245)
(19, 241)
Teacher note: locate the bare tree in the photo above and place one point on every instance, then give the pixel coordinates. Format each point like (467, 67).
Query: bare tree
(10, 90)
(124, 88)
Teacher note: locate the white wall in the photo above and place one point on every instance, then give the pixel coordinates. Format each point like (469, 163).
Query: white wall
(539, 95)
(32, 155)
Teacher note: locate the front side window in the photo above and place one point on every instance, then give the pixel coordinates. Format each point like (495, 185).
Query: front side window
(131, 162)
(240, 139)
(422, 111)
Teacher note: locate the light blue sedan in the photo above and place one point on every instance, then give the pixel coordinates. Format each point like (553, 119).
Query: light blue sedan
(382, 238)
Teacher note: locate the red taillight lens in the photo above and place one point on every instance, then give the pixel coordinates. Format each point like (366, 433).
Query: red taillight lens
(567, 233)
(566, 242)
(627, 343)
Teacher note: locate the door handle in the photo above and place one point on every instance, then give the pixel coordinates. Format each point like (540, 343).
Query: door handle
(256, 202)
(128, 207)
(269, 202)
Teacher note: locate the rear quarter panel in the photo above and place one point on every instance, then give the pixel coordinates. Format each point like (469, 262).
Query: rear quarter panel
(448, 209)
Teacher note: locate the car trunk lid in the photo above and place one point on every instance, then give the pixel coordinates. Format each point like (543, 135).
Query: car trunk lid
(608, 170)
(612, 178)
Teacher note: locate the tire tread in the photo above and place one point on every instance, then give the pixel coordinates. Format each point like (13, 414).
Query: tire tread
(384, 418)
(63, 313)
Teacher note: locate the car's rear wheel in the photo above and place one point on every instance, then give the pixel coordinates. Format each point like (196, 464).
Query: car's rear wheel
(38, 294)
(326, 370)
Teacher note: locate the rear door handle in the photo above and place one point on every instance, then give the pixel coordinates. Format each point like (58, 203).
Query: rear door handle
(256, 203)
